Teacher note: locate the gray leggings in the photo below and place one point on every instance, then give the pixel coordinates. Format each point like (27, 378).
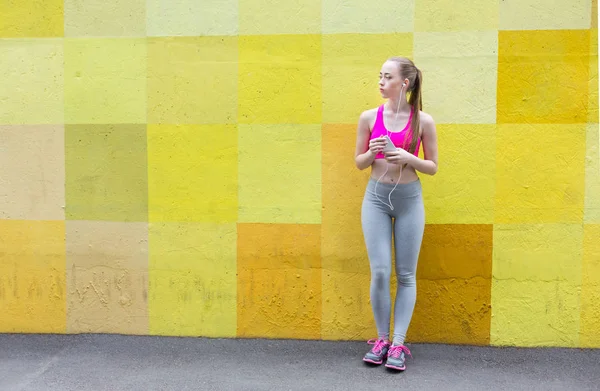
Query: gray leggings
(407, 222)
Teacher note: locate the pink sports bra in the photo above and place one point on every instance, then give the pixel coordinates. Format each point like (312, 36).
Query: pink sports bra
(400, 139)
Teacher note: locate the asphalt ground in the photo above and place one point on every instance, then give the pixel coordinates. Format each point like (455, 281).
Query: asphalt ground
(116, 362)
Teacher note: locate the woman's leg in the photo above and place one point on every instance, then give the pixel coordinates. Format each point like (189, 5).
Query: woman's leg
(377, 231)
(409, 226)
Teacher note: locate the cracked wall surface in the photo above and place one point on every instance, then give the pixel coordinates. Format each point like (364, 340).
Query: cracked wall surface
(186, 168)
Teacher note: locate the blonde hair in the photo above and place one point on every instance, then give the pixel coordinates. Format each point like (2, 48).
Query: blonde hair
(408, 70)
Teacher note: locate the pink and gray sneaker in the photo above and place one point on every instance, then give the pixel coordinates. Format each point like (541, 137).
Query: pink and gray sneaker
(378, 352)
(397, 357)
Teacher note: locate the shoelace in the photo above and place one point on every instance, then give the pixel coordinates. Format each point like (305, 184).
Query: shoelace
(379, 344)
(395, 351)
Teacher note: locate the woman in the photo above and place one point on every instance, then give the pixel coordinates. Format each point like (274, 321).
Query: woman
(393, 202)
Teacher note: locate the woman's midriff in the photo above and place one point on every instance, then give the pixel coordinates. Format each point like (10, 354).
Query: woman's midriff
(393, 172)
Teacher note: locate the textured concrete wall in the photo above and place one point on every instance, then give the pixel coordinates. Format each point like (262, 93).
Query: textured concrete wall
(186, 168)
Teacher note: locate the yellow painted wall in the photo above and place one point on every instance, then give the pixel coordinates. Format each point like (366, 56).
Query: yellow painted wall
(186, 168)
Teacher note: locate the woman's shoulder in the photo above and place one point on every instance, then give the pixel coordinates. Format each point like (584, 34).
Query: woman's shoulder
(369, 116)
(426, 118)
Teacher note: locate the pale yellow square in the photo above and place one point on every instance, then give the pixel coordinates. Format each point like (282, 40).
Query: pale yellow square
(459, 194)
(280, 79)
(31, 81)
(458, 67)
(351, 65)
(32, 172)
(107, 277)
(192, 173)
(289, 193)
(105, 80)
(114, 18)
(590, 289)
(192, 80)
(193, 279)
(536, 282)
(191, 17)
(538, 252)
(535, 313)
(592, 176)
(452, 15)
(359, 16)
(540, 173)
(279, 17)
(545, 14)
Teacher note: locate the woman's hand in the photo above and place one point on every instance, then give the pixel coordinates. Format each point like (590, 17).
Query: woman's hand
(399, 156)
(376, 145)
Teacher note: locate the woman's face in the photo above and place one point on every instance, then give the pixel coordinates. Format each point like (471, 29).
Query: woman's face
(390, 83)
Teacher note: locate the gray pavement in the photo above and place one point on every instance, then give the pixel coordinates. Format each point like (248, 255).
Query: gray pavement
(115, 362)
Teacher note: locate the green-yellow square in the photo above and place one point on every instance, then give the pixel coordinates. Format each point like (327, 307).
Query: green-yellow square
(537, 274)
(458, 67)
(452, 15)
(192, 173)
(280, 79)
(193, 280)
(351, 65)
(289, 193)
(592, 176)
(540, 173)
(106, 173)
(458, 194)
(192, 80)
(590, 289)
(263, 17)
(31, 80)
(543, 76)
(31, 19)
(191, 17)
(105, 80)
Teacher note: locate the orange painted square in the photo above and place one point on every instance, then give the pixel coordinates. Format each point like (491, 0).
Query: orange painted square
(454, 281)
(279, 281)
(346, 277)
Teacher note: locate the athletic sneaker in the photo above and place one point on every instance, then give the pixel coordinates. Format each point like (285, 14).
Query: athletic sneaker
(378, 352)
(397, 357)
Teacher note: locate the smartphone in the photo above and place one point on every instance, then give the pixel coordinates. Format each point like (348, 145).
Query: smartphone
(389, 146)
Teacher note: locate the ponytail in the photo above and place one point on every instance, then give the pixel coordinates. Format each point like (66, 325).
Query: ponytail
(416, 102)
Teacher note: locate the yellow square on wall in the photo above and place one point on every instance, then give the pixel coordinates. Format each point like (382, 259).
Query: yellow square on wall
(280, 79)
(351, 65)
(459, 75)
(359, 16)
(32, 277)
(545, 14)
(592, 175)
(192, 80)
(31, 19)
(540, 173)
(459, 194)
(543, 76)
(192, 173)
(279, 174)
(537, 272)
(590, 290)
(105, 80)
(452, 15)
(31, 76)
(193, 279)
(262, 17)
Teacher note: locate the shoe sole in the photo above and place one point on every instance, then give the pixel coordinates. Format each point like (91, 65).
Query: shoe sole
(372, 361)
(395, 367)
